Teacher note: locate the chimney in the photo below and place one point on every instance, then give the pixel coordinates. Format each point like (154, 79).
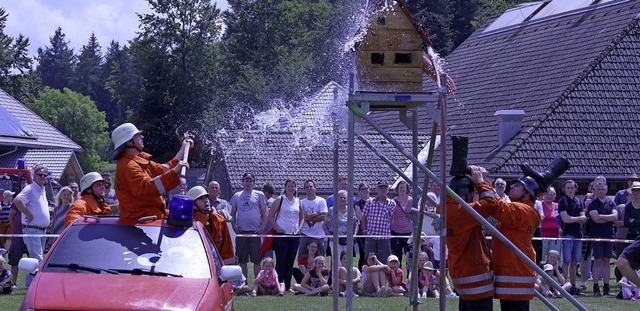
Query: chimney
(509, 124)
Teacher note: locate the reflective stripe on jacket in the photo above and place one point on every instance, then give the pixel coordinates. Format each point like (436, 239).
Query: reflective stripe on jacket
(140, 184)
(469, 255)
(514, 279)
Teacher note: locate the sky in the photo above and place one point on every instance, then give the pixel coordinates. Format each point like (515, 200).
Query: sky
(108, 19)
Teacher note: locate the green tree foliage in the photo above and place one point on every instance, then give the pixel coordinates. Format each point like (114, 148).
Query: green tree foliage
(278, 49)
(16, 77)
(55, 63)
(122, 83)
(76, 116)
(87, 79)
(174, 55)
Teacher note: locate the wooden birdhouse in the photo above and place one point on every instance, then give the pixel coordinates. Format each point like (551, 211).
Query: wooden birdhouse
(389, 57)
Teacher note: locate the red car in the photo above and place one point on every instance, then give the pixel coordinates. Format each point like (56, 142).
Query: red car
(108, 264)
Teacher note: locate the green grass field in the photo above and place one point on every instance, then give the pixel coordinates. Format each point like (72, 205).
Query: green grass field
(292, 302)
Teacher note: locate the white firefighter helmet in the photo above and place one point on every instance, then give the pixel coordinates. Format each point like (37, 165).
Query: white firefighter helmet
(87, 180)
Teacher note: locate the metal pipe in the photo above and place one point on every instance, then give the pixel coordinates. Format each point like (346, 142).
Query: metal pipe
(442, 90)
(417, 231)
(546, 301)
(460, 201)
(350, 194)
(334, 210)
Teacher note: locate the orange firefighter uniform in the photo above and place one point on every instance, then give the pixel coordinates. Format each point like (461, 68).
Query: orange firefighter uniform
(469, 256)
(514, 279)
(217, 227)
(86, 205)
(141, 183)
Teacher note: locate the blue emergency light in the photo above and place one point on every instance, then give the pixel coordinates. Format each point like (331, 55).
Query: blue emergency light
(181, 211)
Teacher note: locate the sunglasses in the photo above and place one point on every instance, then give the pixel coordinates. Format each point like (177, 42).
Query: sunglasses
(42, 175)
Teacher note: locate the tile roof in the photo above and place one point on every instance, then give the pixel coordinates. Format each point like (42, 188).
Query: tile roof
(55, 160)
(43, 135)
(575, 75)
(303, 147)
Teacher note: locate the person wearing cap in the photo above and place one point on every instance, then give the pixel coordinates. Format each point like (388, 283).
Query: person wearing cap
(91, 202)
(249, 211)
(141, 183)
(552, 267)
(427, 286)
(395, 277)
(32, 203)
(632, 213)
(377, 216)
(214, 223)
(622, 196)
(544, 287)
(5, 226)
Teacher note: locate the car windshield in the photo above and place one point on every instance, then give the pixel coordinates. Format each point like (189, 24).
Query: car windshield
(130, 249)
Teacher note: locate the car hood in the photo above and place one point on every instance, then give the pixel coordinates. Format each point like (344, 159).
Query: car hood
(82, 291)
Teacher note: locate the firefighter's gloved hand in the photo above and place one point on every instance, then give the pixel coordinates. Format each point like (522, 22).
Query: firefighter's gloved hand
(461, 185)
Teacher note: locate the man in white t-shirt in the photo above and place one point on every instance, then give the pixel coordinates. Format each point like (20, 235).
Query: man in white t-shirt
(315, 209)
(33, 204)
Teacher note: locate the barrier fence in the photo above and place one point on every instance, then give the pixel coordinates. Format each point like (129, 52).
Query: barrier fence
(244, 235)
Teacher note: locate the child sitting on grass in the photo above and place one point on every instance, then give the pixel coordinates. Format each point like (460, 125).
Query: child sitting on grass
(629, 290)
(374, 280)
(426, 281)
(395, 277)
(315, 280)
(342, 276)
(266, 283)
(6, 285)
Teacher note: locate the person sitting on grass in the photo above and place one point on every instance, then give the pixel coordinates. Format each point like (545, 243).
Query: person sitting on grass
(240, 287)
(342, 276)
(423, 257)
(6, 283)
(304, 264)
(426, 281)
(374, 279)
(315, 280)
(266, 283)
(545, 288)
(629, 290)
(552, 267)
(395, 277)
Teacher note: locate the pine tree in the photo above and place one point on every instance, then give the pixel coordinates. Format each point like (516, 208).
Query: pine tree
(56, 63)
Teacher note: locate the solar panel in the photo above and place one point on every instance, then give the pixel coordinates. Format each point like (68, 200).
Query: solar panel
(556, 7)
(515, 15)
(10, 125)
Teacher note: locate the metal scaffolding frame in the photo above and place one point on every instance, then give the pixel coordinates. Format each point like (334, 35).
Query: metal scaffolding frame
(359, 104)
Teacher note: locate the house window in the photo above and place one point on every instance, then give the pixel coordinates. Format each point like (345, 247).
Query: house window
(402, 58)
(377, 58)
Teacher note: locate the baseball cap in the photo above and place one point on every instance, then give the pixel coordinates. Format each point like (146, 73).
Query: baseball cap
(8, 193)
(392, 258)
(383, 183)
(248, 175)
(635, 185)
(548, 267)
